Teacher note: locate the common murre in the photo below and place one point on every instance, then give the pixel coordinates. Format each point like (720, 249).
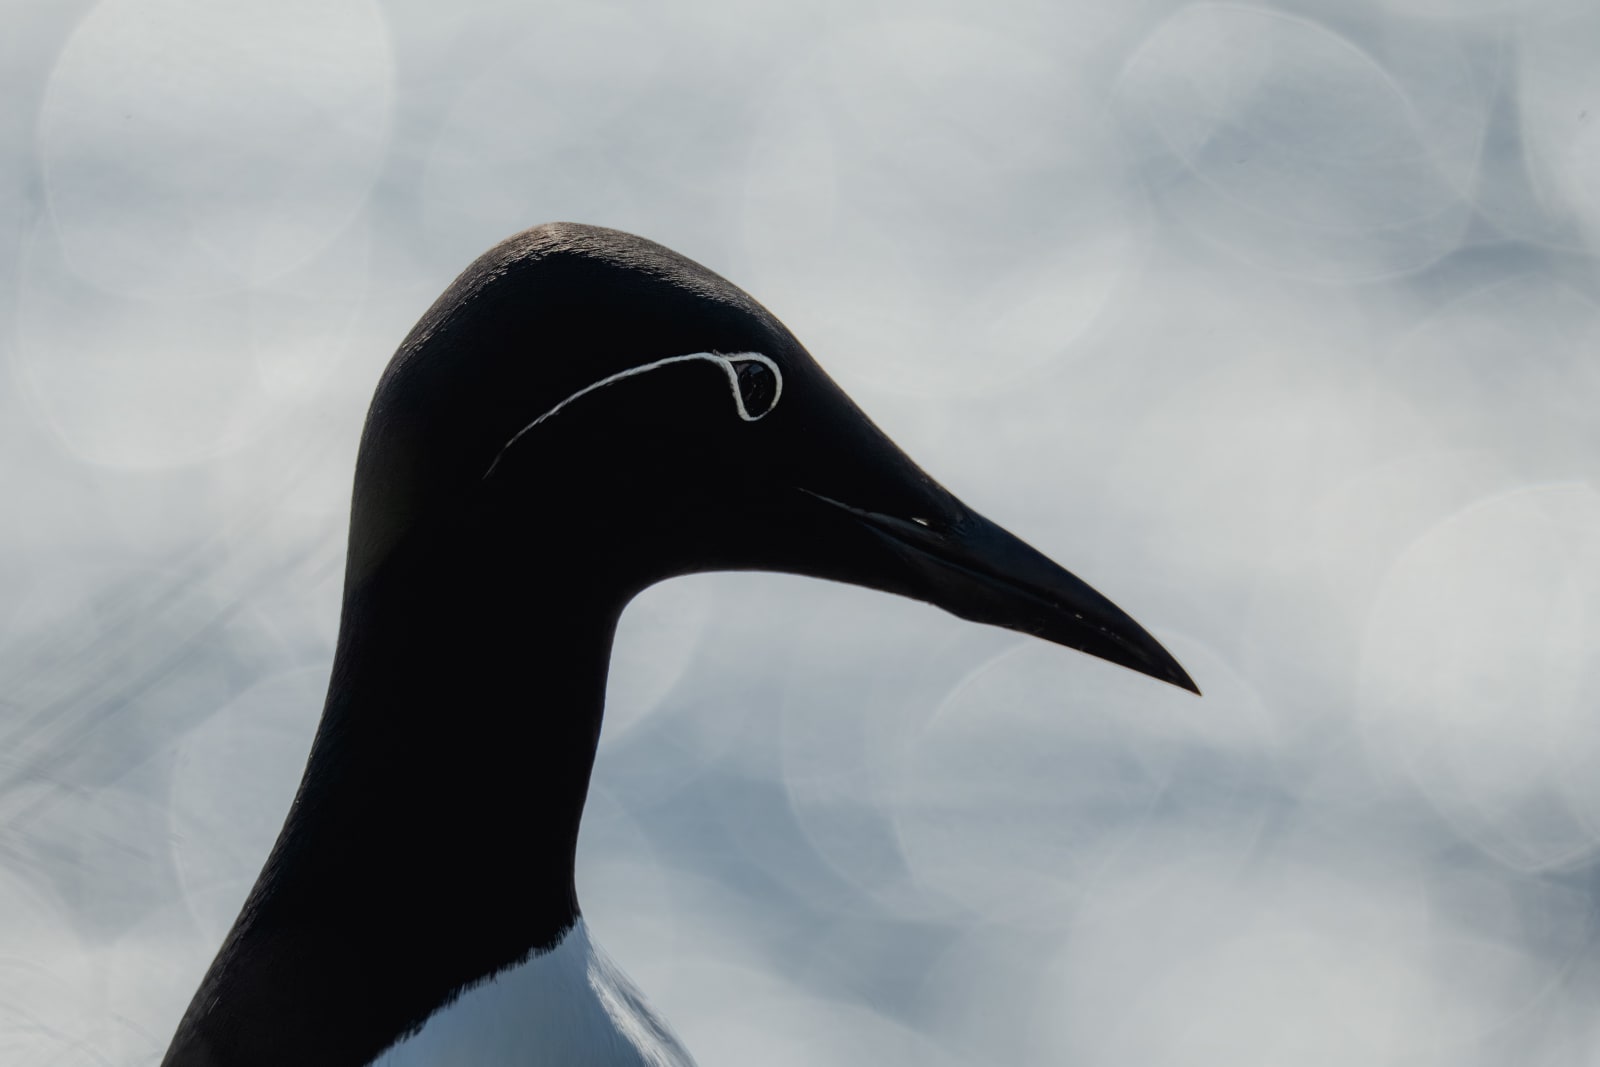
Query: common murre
(582, 414)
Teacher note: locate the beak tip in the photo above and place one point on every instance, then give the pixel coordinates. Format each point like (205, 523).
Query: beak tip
(1172, 672)
(1146, 657)
(1143, 653)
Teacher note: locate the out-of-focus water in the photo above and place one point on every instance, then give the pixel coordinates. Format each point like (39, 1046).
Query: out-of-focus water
(1277, 323)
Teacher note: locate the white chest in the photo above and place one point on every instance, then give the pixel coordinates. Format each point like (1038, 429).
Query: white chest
(568, 1007)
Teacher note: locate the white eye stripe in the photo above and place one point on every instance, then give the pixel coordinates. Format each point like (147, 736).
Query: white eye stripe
(725, 361)
(733, 379)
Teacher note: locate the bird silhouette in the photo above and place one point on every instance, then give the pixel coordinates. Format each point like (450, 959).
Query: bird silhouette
(582, 414)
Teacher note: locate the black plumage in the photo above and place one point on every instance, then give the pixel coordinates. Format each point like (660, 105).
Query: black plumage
(491, 554)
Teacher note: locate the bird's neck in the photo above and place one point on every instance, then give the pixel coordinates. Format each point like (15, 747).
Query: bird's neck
(433, 837)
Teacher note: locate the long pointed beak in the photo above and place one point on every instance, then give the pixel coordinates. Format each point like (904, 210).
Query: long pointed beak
(976, 570)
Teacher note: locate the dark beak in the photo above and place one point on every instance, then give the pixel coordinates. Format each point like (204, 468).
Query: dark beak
(962, 562)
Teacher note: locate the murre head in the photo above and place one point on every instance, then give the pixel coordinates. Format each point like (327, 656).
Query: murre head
(581, 414)
(610, 401)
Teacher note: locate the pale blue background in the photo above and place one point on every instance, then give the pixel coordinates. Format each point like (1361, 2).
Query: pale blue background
(1276, 323)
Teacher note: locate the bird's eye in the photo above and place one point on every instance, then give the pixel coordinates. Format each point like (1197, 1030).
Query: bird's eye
(758, 387)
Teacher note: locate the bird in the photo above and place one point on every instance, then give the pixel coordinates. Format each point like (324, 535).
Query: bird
(583, 413)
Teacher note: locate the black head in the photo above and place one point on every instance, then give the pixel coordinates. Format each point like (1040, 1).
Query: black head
(583, 413)
(583, 394)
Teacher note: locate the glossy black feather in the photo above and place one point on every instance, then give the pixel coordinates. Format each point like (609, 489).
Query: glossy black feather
(432, 840)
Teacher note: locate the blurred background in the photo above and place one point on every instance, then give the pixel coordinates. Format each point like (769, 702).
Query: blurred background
(1275, 322)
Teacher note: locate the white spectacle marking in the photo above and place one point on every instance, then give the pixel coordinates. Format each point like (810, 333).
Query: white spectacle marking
(566, 1006)
(726, 362)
